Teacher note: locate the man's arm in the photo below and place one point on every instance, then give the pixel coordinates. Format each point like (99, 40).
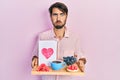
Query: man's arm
(34, 63)
(81, 60)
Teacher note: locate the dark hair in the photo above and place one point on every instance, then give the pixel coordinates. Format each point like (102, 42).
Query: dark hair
(62, 7)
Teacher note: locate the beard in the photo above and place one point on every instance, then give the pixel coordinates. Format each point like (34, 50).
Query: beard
(60, 26)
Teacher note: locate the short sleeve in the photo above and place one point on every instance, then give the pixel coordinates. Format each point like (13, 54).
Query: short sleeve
(78, 49)
(35, 49)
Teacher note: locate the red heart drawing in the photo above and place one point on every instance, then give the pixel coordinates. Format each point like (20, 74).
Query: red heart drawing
(47, 52)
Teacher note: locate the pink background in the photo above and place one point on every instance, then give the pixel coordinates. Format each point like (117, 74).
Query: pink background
(96, 21)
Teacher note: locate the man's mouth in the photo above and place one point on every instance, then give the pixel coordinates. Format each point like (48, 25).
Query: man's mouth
(58, 21)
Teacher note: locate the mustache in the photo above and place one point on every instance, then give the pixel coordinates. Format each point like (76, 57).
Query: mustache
(58, 21)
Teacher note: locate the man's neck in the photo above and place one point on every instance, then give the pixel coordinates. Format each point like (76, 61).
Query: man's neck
(59, 32)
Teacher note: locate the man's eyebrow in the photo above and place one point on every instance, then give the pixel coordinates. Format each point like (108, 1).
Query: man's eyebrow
(57, 13)
(54, 13)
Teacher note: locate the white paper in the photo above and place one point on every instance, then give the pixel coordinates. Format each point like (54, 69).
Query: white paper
(47, 51)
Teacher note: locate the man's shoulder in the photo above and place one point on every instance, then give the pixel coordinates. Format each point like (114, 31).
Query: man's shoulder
(45, 34)
(73, 34)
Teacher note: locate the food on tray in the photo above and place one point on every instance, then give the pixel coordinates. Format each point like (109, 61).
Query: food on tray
(72, 68)
(43, 68)
(69, 60)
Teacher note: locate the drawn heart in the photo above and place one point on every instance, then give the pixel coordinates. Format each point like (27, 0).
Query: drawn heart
(47, 52)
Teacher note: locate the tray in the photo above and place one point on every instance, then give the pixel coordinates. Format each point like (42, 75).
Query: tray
(58, 72)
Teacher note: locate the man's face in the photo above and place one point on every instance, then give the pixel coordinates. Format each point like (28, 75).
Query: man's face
(58, 18)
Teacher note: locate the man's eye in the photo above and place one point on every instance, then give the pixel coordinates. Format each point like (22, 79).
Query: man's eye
(62, 14)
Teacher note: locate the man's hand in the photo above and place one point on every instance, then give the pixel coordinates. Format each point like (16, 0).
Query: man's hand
(34, 62)
(81, 64)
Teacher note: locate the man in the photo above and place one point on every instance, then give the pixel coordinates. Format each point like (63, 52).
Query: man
(68, 43)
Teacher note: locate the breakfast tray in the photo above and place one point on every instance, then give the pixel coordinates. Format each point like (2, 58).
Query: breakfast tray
(58, 72)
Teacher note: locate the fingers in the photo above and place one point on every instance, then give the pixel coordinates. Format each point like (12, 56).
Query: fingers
(81, 65)
(34, 62)
(83, 59)
(82, 69)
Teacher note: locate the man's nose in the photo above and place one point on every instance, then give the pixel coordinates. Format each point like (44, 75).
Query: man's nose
(58, 17)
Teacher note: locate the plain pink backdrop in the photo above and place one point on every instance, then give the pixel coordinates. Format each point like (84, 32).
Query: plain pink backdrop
(96, 21)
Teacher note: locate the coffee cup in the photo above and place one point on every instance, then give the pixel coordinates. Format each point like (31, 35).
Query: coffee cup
(57, 64)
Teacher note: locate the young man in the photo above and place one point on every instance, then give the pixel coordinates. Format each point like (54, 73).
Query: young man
(68, 43)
